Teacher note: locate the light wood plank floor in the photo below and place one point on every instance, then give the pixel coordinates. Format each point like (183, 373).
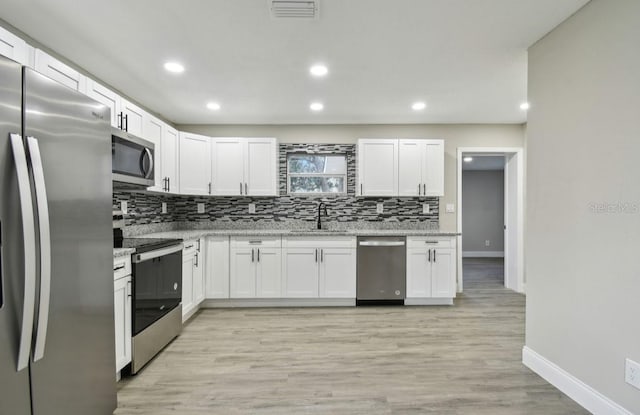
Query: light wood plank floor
(464, 359)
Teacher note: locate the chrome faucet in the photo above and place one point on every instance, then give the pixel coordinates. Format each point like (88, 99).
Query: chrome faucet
(320, 206)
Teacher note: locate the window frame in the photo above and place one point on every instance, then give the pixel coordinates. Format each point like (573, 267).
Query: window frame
(345, 176)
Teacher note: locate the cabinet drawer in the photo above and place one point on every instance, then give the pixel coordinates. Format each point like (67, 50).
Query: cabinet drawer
(431, 242)
(319, 242)
(256, 242)
(190, 247)
(121, 267)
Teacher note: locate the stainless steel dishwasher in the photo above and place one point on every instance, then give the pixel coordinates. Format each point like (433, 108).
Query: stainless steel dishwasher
(382, 266)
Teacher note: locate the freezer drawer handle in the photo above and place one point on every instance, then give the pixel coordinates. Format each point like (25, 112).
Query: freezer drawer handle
(28, 229)
(45, 247)
(381, 243)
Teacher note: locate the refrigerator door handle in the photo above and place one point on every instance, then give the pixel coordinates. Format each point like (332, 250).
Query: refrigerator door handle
(45, 247)
(29, 231)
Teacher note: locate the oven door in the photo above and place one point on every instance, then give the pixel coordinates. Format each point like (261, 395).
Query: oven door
(132, 160)
(157, 285)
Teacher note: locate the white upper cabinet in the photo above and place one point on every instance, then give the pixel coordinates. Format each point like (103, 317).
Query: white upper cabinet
(13, 47)
(169, 157)
(195, 164)
(132, 118)
(106, 97)
(227, 166)
(244, 166)
(152, 130)
(421, 168)
(261, 167)
(377, 167)
(60, 72)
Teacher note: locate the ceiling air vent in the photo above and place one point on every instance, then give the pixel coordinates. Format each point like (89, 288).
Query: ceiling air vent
(300, 9)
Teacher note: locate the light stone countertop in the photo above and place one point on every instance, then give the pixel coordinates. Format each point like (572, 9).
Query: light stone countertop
(120, 252)
(198, 233)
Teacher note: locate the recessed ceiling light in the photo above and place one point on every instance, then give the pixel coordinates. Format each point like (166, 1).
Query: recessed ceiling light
(418, 106)
(174, 67)
(316, 106)
(525, 106)
(213, 106)
(468, 159)
(319, 70)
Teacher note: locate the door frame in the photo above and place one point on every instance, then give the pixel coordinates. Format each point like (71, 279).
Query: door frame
(518, 252)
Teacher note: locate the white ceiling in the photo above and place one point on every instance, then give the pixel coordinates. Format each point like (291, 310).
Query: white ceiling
(466, 59)
(484, 163)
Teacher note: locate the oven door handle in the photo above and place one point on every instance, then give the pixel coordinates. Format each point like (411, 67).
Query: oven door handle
(137, 258)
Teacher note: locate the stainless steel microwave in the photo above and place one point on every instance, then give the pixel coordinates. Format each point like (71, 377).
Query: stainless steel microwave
(132, 160)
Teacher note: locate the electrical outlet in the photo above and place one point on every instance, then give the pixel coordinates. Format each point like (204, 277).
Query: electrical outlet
(252, 208)
(632, 373)
(487, 243)
(164, 207)
(425, 209)
(450, 208)
(123, 207)
(200, 207)
(380, 208)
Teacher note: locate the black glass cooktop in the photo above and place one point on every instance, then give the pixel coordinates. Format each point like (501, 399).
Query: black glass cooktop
(148, 244)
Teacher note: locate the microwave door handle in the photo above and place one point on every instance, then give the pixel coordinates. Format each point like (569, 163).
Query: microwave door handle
(29, 235)
(45, 247)
(147, 154)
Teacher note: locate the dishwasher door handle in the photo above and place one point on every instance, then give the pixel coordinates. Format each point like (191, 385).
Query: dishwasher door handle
(381, 243)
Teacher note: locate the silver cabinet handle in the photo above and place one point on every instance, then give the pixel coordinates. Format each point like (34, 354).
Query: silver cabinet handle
(252, 253)
(430, 242)
(168, 184)
(316, 255)
(429, 255)
(195, 263)
(434, 255)
(258, 254)
(198, 242)
(381, 243)
(246, 190)
(119, 267)
(322, 255)
(418, 189)
(255, 242)
(129, 289)
(240, 187)
(209, 187)
(424, 191)
(361, 192)
(29, 235)
(45, 247)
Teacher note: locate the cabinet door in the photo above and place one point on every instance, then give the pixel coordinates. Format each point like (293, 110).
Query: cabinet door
(188, 263)
(122, 316)
(169, 160)
(410, 167)
(443, 273)
(152, 131)
(268, 272)
(217, 268)
(337, 273)
(418, 273)
(60, 72)
(106, 97)
(195, 164)
(261, 167)
(227, 165)
(242, 275)
(198, 278)
(133, 121)
(377, 167)
(13, 47)
(301, 272)
(433, 170)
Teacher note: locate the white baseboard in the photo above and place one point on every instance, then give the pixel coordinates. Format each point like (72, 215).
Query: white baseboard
(583, 394)
(428, 301)
(278, 302)
(483, 254)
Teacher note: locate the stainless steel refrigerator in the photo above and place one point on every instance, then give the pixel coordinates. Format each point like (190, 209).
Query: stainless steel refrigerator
(56, 300)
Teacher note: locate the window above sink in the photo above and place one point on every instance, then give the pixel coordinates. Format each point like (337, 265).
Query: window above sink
(315, 174)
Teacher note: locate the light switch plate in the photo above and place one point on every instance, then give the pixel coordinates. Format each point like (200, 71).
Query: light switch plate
(252, 208)
(164, 207)
(123, 207)
(380, 208)
(632, 373)
(450, 208)
(487, 243)
(426, 209)
(200, 207)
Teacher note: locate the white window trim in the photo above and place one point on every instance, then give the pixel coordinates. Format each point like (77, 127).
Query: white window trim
(345, 176)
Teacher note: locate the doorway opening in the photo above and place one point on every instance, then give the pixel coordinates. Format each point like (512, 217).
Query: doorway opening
(490, 213)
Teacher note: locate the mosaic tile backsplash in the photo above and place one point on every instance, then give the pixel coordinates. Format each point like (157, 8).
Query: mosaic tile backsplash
(145, 208)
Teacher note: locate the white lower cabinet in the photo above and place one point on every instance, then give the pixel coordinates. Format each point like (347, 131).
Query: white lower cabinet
(193, 282)
(431, 267)
(122, 311)
(217, 267)
(255, 268)
(319, 267)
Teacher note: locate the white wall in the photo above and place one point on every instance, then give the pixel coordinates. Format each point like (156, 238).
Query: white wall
(462, 135)
(583, 197)
(482, 210)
